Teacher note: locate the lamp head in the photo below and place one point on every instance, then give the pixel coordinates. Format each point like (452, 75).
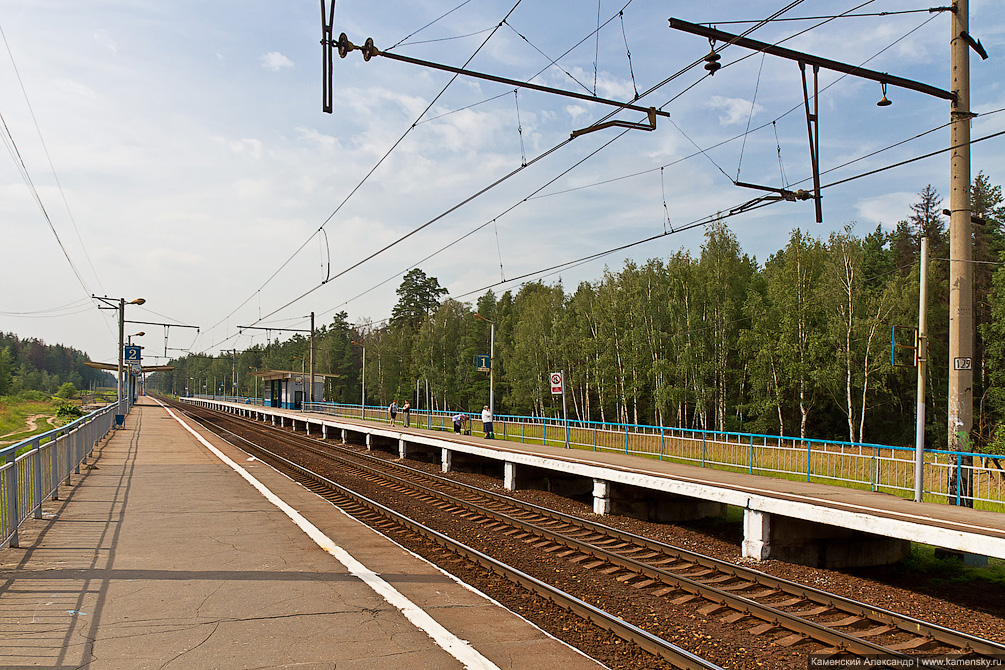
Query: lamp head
(138, 301)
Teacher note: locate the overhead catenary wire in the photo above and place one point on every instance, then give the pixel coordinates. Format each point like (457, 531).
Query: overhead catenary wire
(434, 21)
(652, 89)
(52, 168)
(628, 52)
(374, 168)
(758, 128)
(15, 154)
(845, 15)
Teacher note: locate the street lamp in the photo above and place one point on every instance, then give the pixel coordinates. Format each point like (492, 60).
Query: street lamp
(362, 399)
(120, 305)
(492, 362)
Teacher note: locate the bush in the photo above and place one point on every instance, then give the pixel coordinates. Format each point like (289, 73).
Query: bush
(67, 391)
(997, 443)
(69, 411)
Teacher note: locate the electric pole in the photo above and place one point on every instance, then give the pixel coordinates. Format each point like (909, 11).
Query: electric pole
(961, 312)
(310, 394)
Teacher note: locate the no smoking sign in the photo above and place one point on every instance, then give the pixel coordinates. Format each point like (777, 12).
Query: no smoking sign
(556, 383)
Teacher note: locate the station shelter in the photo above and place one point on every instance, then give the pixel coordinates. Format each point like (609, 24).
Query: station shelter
(286, 389)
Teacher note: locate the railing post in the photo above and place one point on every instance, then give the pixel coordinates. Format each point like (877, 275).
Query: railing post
(809, 448)
(626, 438)
(12, 520)
(37, 463)
(959, 476)
(752, 454)
(594, 437)
(55, 469)
(662, 432)
(875, 473)
(702, 448)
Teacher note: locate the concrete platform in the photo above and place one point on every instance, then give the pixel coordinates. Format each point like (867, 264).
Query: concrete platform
(798, 521)
(164, 556)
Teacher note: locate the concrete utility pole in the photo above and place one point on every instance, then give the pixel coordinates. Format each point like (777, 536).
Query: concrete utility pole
(919, 436)
(961, 312)
(310, 393)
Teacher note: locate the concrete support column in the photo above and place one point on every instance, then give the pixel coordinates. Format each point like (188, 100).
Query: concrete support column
(509, 476)
(368, 445)
(601, 496)
(343, 436)
(756, 534)
(324, 431)
(402, 448)
(446, 460)
(307, 427)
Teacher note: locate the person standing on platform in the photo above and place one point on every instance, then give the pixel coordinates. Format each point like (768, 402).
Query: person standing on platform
(406, 411)
(487, 423)
(393, 410)
(458, 419)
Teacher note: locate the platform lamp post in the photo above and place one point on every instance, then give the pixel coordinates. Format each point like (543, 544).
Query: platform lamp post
(120, 305)
(362, 397)
(492, 362)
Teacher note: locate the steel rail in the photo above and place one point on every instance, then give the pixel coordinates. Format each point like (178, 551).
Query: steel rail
(678, 656)
(739, 603)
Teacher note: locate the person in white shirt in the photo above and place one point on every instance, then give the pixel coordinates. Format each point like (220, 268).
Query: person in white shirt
(487, 423)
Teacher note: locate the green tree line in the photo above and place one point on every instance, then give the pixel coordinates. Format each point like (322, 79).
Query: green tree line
(32, 365)
(799, 345)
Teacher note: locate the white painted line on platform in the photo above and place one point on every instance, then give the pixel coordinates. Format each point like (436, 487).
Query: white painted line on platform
(453, 645)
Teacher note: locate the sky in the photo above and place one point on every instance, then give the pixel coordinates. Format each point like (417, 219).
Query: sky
(181, 154)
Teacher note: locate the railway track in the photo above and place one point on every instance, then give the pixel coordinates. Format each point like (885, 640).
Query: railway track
(788, 612)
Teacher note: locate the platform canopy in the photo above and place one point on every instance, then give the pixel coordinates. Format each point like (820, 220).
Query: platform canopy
(114, 367)
(289, 374)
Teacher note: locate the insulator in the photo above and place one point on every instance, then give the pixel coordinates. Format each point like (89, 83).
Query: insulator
(368, 49)
(712, 62)
(344, 45)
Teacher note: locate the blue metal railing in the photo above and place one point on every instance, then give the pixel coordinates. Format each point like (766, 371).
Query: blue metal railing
(864, 465)
(45, 460)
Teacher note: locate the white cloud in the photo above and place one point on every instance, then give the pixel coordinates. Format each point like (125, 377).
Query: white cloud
(275, 61)
(886, 209)
(735, 110)
(102, 38)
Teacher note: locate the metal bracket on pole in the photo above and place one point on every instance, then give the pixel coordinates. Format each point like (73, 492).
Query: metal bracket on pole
(369, 50)
(326, 57)
(813, 130)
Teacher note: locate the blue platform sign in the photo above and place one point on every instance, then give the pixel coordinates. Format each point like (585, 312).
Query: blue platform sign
(131, 354)
(483, 363)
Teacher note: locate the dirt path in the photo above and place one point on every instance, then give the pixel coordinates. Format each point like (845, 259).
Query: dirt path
(32, 422)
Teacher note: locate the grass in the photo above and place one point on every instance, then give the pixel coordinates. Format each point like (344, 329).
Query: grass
(951, 572)
(14, 413)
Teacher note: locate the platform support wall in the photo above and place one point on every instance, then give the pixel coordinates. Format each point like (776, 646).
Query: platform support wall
(601, 496)
(509, 476)
(369, 446)
(402, 448)
(756, 534)
(446, 460)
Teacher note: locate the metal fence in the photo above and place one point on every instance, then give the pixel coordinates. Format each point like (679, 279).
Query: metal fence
(866, 466)
(33, 469)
